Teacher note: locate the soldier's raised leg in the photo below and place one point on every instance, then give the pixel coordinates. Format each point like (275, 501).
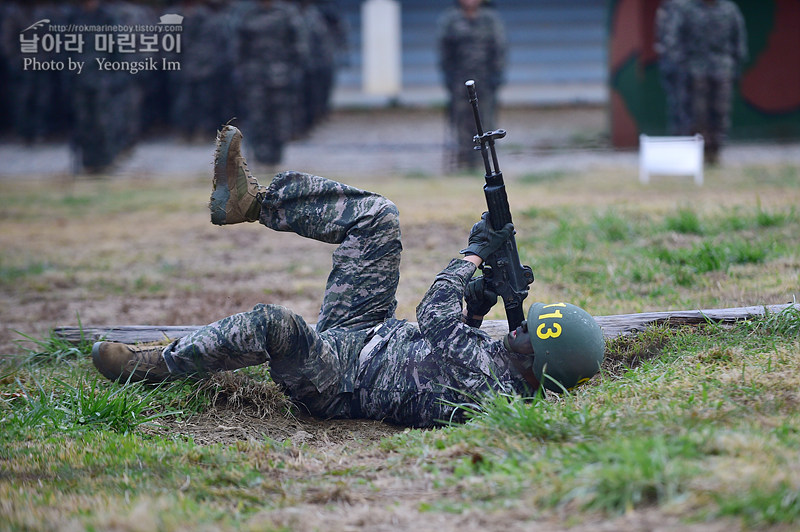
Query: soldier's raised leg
(361, 287)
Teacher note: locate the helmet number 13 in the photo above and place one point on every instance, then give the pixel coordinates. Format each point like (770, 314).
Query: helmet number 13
(553, 331)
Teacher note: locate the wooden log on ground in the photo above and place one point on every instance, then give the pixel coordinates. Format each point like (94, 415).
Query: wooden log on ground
(613, 326)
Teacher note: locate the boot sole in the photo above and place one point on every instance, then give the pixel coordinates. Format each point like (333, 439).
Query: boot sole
(221, 193)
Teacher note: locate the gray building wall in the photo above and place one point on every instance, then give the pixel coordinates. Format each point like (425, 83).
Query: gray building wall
(557, 52)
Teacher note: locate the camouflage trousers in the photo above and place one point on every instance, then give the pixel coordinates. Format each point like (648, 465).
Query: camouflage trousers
(462, 130)
(710, 100)
(673, 81)
(268, 118)
(316, 366)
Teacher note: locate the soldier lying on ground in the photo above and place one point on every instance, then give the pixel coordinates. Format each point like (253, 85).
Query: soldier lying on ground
(360, 361)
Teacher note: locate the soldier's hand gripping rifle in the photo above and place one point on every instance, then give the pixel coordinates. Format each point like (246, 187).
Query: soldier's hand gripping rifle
(502, 270)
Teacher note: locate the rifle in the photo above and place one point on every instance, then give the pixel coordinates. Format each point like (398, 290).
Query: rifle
(502, 270)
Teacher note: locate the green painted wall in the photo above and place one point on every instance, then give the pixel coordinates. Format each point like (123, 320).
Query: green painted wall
(634, 74)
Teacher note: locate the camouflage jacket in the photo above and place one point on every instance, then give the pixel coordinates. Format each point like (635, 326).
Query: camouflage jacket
(711, 38)
(272, 45)
(416, 374)
(666, 27)
(472, 48)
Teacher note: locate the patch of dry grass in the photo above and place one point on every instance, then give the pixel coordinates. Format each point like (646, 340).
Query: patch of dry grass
(242, 394)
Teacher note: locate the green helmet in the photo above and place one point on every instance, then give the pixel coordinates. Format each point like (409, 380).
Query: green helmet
(567, 345)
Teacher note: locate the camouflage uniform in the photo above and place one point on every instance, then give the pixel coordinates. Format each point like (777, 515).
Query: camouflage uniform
(318, 72)
(712, 45)
(131, 97)
(673, 78)
(34, 95)
(270, 49)
(96, 129)
(195, 109)
(471, 48)
(15, 18)
(223, 60)
(360, 361)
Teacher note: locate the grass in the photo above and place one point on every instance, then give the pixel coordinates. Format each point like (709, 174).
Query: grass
(86, 404)
(715, 403)
(655, 260)
(696, 424)
(53, 348)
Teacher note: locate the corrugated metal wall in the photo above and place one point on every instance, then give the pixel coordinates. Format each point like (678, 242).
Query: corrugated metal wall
(557, 50)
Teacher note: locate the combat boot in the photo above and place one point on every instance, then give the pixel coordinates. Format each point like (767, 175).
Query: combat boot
(236, 195)
(122, 362)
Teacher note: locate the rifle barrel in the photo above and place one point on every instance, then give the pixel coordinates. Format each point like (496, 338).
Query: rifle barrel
(509, 277)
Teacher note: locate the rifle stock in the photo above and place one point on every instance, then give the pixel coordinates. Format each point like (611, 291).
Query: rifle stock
(506, 275)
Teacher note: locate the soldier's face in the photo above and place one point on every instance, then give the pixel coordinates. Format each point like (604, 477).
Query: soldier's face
(519, 341)
(470, 5)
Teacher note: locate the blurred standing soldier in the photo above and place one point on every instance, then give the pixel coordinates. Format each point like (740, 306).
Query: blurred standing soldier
(673, 78)
(472, 45)
(295, 125)
(194, 109)
(55, 117)
(31, 92)
(713, 48)
(156, 92)
(15, 16)
(338, 28)
(95, 140)
(318, 74)
(269, 52)
(130, 99)
(223, 107)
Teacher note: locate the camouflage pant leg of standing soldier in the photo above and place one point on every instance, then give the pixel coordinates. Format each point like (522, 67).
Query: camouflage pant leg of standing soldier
(315, 366)
(263, 107)
(462, 122)
(711, 106)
